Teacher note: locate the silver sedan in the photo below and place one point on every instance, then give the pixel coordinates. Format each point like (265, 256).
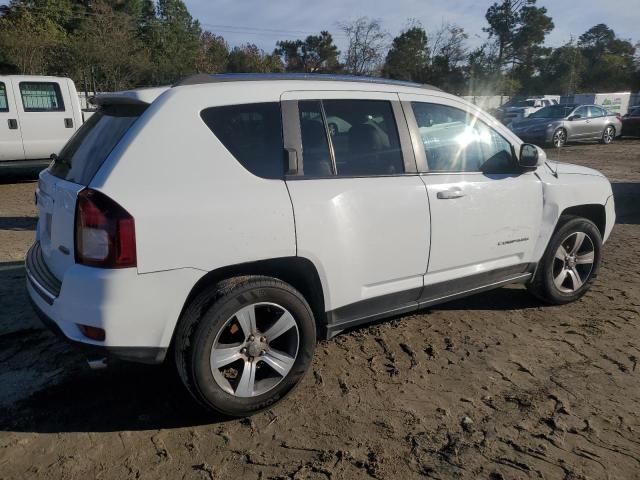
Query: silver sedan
(558, 124)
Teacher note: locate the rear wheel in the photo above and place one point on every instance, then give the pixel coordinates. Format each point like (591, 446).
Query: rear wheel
(245, 344)
(559, 138)
(570, 263)
(609, 135)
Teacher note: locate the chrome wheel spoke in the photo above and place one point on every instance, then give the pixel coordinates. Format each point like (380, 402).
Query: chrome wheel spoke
(585, 258)
(561, 253)
(247, 320)
(281, 362)
(282, 325)
(223, 355)
(246, 386)
(577, 243)
(560, 278)
(576, 281)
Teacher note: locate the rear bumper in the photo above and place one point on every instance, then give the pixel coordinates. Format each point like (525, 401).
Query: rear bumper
(138, 312)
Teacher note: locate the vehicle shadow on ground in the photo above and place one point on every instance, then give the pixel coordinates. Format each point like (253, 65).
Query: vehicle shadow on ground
(18, 223)
(627, 199)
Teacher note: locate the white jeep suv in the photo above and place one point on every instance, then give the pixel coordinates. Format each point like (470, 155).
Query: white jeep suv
(231, 220)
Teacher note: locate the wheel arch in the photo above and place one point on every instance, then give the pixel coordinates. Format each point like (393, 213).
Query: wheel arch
(299, 272)
(591, 211)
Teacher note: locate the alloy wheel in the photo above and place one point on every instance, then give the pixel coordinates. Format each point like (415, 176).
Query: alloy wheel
(573, 262)
(559, 138)
(608, 135)
(255, 349)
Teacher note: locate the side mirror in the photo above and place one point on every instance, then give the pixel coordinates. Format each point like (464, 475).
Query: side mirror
(531, 156)
(575, 117)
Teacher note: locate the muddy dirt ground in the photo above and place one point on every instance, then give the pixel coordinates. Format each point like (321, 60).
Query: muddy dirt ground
(495, 386)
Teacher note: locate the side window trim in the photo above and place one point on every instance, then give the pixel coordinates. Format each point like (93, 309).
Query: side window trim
(419, 151)
(406, 143)
(332, 152)
(292, 137)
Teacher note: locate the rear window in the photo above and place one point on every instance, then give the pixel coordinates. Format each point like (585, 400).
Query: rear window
(90, 146)
(41, 97)
(253, 135)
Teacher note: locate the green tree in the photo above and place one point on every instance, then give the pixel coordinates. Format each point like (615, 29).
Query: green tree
(250, 59)
(408, 57)
(610, 61)
(316, 54)
(213, 54)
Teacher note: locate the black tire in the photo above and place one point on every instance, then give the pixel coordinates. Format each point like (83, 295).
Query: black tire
(608, 135)
(543, 286)
(559, 138)
(210, 312)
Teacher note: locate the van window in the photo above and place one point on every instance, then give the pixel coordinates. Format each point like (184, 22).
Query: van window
(41, 97)
(4, 105)
(90, 146)
(253, 135)
(455, 141)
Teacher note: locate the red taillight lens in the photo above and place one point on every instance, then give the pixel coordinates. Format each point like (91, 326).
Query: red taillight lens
(105, 232)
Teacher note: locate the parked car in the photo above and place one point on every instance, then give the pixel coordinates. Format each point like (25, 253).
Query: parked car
(519, 109)
(222, 223)
(558, 124)
(631, 123)
(37, 117)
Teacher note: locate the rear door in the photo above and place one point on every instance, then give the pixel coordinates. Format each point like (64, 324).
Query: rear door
(10, 136)
(46, 115)
(361, 211)
(58, 186)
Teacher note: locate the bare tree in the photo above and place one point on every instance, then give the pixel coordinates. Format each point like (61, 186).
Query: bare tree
(449, 43)
(368, 43)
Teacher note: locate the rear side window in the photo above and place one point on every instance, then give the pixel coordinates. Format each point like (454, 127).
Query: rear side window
(90, 146)
(455, 141)
(253, 135)
(4, 105)
(360, 135)
(41, 97)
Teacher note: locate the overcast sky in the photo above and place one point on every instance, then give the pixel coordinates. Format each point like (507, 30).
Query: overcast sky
(263, 22)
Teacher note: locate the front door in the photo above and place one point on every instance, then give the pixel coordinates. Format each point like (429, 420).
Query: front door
(580, 127)
(10, 135)
(361, 210)
(485, 212)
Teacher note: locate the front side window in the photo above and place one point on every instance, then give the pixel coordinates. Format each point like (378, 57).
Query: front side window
(4, 105)
(583, 112)
(456, 141)
(253, 135)
(349, 138)
(41, 97)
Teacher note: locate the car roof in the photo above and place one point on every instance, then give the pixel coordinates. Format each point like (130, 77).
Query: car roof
(203, 78)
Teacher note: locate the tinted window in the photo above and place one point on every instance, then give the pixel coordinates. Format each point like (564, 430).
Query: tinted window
(90, 146)
(41, 97)
(553, 111)
(253, 135)
(455, 141)
(4, 106)
(315, 147)
(635, 112)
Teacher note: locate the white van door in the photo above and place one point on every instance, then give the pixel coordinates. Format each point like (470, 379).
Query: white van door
(45, 113)
(10, 135)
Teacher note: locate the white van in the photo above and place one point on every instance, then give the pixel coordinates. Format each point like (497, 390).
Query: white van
(37, 117)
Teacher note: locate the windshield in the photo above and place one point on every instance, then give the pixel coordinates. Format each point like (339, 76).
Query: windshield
(90, 146)
(553, 111)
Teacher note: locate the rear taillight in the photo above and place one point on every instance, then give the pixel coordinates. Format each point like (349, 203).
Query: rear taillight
(105, 232)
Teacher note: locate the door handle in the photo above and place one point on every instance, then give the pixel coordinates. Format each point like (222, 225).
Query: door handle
(68, 123)
(450, 194)
(13, 124)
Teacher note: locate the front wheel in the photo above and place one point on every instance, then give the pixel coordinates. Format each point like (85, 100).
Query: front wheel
(609, 135)
(243, 345)
(570, 262)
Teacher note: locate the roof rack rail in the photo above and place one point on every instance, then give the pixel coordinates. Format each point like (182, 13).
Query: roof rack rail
(202, 78)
